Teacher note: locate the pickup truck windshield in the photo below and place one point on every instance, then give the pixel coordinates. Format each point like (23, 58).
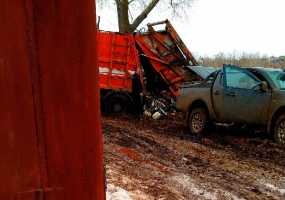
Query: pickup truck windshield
(278, 77)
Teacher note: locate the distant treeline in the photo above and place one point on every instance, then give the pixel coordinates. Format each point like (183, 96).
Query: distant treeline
(246, 60)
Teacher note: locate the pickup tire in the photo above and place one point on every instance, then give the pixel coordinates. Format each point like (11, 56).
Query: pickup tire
(279, 130)
(198, 120)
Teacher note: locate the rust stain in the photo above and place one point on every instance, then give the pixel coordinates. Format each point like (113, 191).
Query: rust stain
(130, 153)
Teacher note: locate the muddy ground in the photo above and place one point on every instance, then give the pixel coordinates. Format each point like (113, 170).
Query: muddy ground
(159, 160)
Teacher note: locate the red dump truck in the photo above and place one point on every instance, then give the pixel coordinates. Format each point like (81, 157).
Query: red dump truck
(151, 63)
(120, 71)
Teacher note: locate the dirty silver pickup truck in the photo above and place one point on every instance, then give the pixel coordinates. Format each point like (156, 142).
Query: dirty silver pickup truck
(254, 96)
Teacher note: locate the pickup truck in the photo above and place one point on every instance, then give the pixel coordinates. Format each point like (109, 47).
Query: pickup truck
(253, 96)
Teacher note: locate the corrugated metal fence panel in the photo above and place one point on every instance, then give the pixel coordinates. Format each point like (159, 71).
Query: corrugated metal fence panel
(69, 89)
(19, 166)
(51, 144)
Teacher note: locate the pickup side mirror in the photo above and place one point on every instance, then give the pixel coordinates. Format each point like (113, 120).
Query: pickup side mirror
(264, 86)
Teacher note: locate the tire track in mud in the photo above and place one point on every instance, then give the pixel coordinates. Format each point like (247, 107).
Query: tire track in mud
(152, 158)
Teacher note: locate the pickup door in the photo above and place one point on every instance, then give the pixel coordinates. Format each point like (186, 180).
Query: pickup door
(237, 97)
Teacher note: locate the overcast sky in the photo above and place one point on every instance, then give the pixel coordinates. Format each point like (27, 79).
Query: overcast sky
(213, 26)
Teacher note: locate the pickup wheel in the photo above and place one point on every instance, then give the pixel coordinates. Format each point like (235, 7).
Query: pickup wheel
(279, 130)
(198, 120)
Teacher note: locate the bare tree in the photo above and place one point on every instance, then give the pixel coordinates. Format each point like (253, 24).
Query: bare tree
(125, 8)
(243, 59)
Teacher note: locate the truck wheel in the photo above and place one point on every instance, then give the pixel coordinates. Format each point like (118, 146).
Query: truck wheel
(198, 120)
(279, 130)
(116, 103)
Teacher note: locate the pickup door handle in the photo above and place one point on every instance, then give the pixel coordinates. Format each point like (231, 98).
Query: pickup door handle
(232, 94)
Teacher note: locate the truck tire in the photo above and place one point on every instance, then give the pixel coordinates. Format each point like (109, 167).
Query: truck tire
(279, 130)
(117, 103)
(198, 120)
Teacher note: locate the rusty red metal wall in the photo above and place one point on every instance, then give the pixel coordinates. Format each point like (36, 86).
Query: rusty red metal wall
(50, 139)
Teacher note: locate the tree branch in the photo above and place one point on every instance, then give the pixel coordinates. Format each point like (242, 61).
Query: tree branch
(143, 15)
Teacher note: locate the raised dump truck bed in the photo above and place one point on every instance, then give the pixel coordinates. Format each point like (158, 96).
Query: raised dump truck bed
(165, 53)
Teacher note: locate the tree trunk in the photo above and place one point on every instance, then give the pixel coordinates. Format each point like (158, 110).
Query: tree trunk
(123, 16)
(143, 15)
